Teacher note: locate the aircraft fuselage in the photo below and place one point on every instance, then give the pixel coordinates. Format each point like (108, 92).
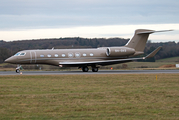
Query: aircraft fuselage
(56, 56)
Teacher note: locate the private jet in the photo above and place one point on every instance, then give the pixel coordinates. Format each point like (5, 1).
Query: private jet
(85, 58)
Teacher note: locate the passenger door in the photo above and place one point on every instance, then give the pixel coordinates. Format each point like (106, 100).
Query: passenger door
(33, 57)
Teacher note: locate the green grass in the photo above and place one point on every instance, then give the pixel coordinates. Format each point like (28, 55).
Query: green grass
(172, 59)
(90, 97)
(148, 64)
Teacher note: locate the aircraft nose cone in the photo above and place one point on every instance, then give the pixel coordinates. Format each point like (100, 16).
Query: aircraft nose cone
(9, 60)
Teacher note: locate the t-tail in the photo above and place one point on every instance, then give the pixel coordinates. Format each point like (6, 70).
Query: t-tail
(139, 40)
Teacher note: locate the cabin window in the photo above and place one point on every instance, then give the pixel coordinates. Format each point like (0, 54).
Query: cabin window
(70, 54)
(84, 54)
(56, 55)
(63, 55)
(77, 54)
(41, 55)
(91, 54)
(48, 55)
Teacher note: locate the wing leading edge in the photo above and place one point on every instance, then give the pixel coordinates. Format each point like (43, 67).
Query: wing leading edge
(110, 62)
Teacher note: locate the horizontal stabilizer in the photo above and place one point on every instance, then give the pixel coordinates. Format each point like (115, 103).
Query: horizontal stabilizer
(153, 53)
(152, 31)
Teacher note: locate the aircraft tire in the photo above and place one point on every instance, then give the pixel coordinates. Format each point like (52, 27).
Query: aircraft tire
(85, 69)
(95, 69)
(17, 71)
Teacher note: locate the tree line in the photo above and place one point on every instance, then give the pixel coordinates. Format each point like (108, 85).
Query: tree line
(7, 49)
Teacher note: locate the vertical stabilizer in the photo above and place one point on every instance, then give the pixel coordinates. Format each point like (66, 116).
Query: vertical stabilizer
(139, 39)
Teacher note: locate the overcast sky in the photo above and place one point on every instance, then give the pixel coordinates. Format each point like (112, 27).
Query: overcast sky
(34, 19)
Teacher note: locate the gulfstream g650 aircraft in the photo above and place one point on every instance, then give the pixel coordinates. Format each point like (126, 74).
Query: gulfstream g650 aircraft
(83, 58)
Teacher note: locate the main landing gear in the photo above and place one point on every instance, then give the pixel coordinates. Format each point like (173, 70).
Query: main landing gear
(95, 69)
(85, 69)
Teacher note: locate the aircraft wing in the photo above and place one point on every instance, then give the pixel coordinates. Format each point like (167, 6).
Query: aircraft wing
(110, 62)
(103, 63)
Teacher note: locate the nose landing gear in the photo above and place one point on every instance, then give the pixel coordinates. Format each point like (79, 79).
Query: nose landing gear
(18, 69)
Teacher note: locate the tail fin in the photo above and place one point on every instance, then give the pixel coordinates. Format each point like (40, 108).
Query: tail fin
(140, 38)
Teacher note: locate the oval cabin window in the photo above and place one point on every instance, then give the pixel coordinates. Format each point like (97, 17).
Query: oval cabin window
(77, 54)
(41, 55)
(56, 55)
(48, 55)
(84, 54)
(70, 54)
(63, 55)
(91, 54)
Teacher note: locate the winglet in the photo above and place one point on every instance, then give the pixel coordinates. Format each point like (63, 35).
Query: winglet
(153, 53)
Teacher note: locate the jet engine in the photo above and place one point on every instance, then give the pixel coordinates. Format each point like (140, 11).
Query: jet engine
(119, 51)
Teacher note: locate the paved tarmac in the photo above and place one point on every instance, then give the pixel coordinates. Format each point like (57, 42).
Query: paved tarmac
(82, 73)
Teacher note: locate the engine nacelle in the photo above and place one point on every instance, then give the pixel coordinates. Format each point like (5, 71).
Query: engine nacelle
(119, 51)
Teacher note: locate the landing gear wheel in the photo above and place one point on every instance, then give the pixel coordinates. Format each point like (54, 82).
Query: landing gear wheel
(95, 69)
(85, 69)
(17, 71)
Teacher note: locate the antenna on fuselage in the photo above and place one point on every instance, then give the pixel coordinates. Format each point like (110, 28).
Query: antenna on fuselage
(53, 48)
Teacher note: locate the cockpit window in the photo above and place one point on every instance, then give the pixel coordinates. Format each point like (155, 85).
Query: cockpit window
(20, 54)
(17, 54)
